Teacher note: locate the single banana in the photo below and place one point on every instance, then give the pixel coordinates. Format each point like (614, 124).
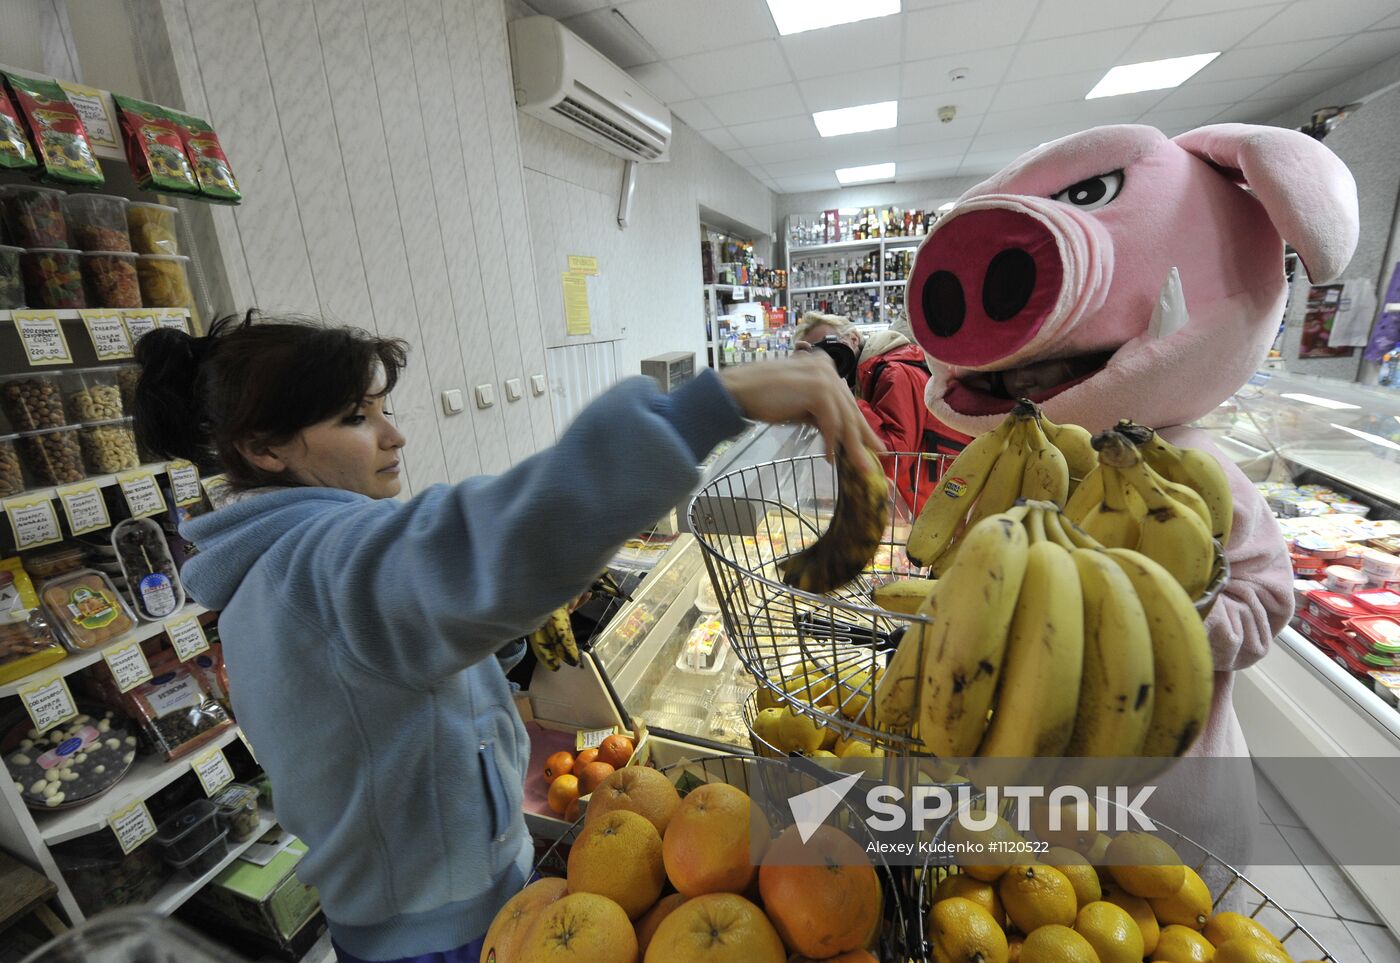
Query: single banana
(903, 595)
(1199, 471)
(1170, 533)
(1046, 476)
(1183, 670)
(1004, 483)
(1043, 668)
(896, 692)
(964, 647)
(1076, 444)
(1116, 697)
(1184, 494)
(958, 489)
(1055, 530)
(1087, 494)
(858, 524)
(1112, 521)
(553, 643)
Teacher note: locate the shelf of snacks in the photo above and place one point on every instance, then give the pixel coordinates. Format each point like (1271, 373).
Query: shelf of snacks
(176, 891)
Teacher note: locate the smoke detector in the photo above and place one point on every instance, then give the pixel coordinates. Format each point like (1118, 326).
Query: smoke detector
(958, 74)
(947, 112)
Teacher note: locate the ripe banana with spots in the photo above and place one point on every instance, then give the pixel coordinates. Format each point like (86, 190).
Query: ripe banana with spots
(1076, 444)
(1199, 471)
(1114, 520)
(553, 643)
(957, 490)
(858, 523)
(904, 595)
(1169, 532)
(1046, 475)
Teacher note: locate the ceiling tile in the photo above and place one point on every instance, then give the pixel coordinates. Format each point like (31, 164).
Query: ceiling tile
(1193, 35)
(984, 68)
(696, 114)
(1022, 139)
(1173, 121)
(953, 147)
(1049, 58)
(844, 48)
(735, 68)
(1304, 85)
(1048, 90)
(1360, 51)
(1221, 93)
(982, 163)
(849, 90)
(1194, 8)
(774, 131)
(1254, 111)
(789, 151)
(679, 27)
(662, 81)
(765, 103)
(924, 110)
(924, 169)
(1078, 115)
(740, 156)
(721, 138)
(1264, 61)
(873, 147)
(1321, 18)
(1063, 18)
(563, 9)
(800, 183)
(955, 27)
(802, 165)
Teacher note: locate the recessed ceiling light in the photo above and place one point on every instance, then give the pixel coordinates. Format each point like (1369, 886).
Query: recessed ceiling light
(797, 16)
(1149, 75)
(861, 175)
(1320, 402)
(853, 120)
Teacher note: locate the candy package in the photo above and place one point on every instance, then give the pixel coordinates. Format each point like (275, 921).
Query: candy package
(211, 167)
(176, 712)
(56, 130)
(15, 152)
(155, 148)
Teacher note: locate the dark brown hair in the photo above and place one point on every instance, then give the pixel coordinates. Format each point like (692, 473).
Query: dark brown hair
(252, 381)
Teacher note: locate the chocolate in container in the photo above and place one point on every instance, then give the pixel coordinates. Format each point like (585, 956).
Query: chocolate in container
(153, 585)
(71, 764)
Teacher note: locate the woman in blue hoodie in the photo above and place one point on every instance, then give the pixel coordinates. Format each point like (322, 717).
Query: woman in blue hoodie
(367, 638)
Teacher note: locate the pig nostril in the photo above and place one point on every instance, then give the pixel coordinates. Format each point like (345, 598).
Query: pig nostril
(943, 303)
(1008, 285)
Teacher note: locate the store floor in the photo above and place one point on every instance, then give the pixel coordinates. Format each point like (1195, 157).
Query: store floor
(1316, 892)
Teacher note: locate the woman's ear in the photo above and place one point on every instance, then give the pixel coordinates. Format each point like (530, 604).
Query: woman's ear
(262, 457)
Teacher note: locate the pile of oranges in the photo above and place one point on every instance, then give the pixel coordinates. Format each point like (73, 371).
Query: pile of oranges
(569, 776)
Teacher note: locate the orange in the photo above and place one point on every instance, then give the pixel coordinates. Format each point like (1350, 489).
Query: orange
(618, 856)
(559, 764)
(562, 792)
(591, 776)
(615, 751)
(512, 924)
(640, 790)
(571, 814)
(822, 896)
(715, 928)
(647, 925)
(584, 757)
(581, 926)
(706, 848)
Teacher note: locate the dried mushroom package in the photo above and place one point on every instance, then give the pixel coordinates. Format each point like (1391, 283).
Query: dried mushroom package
(56, 130)
(155, 148)
(211, 166)
(15, 152)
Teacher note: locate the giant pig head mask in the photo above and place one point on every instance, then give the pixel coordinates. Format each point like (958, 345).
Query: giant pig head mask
(1116, 273)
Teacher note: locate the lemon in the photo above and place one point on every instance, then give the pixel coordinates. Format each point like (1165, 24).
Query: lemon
(1223, 927)
(1141, 913)
(822, 754)
(1065, 830)
(1182, 944)
(797, 733)
(1189, 906)
(829, 737)
(854, 749)
(1083, 877)
(1036, 896)
(1112, 933)
(765, 725)
(1097, 850)
(1014, 945)
(967, 887)
(1145, 866)
(1057, 944)
(853, 693)
(964, 932)
(1002, 856)
(1245, 949)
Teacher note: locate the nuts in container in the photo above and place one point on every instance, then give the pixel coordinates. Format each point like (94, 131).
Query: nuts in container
(109, 448)
(93, 394)
(11, 475)
(97, 222)
(110, 279)
(53, 457)
(32, 402)
(127, 376)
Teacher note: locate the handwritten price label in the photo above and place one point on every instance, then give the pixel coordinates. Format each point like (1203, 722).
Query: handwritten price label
(42, 334)
(108, 334)
(129, 666)
(212, 770)
(184, 483)
(85, 507)
(139, 322)
(132, 826)
(48, 703)
(142, 494)
(174, 318)
(187, 638)
(33, 521)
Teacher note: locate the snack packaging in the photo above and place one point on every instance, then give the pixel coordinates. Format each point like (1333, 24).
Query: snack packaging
(26, 642)
(176, 713)
(15, 152)
(52, 561)
(211, 166)
(209, 666)
(56, 130)
(86, 608)
(152, 583)
(28, 598)
(155, 148)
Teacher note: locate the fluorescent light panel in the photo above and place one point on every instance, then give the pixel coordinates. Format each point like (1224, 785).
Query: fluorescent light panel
(799, 16)
(855, 120)
(1367, 436)
(1149, 75)
(1319, 401)
(861, 175)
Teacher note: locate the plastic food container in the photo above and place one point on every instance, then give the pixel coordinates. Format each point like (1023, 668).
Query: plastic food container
(189, 831)
(109, 279)
(152, 583)
(52, 457)
(1344, 579)
(1379, 601)
(127, 375)
(1320, 547)
(152, 228)
(11, 475)
(1347, 507)
(71, 764)
(176, 712)
(238, 806)
(109, 447)
(102, 878)
(1313, 629)
(92, 394)
(53, 278)
(11, 278)
(1380, 632)
(55, 560)
(34, 215)
(1381, 566)
(86, 608)
(165, 281)
(1332, 610)
(33, 401)
(207, 858)
(97, 222)
(26, 642)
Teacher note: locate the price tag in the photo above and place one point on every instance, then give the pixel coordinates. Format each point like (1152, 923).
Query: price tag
(42, 334)
(593, 738)
(212, 770)
(33, 521)
(173, 318)
(214, 485)
(129, 666)
(187, 638)
(85, 507)
(132, 826)
(48, 703)
(142, 494)
(139, 321)
(184, 482)
(108, 334)
(91, 105)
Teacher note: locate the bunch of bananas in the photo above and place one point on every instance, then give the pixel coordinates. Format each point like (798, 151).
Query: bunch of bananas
(553, 643)
(858, 522)
(1043, 642)
(1026, 456)
(1127, 503)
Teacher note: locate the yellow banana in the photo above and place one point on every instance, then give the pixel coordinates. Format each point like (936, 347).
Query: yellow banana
(1043, 667)
(1171, 534)
(1199, 471)
(1184, 494)
(896, 692)
(1004, 483)
(1076, 444)
(1115, 700)
(1087, 494)
(964, 647)
(1055, 530)
(903, 595)
(553, 643)
(1046, 475)
(858, 523)
(1183, 670)
(1112, 522)
(957, 490)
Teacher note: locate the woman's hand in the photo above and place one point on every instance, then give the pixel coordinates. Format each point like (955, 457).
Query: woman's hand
(803, 388)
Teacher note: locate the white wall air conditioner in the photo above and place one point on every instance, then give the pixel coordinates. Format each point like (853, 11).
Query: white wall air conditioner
(563, 81)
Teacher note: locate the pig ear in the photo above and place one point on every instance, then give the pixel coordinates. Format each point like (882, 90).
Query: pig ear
(1306, 190)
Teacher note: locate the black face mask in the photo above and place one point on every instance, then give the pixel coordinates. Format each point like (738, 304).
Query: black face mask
(840, 352)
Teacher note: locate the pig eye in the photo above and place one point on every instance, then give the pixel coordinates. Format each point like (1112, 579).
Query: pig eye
(1093, 192)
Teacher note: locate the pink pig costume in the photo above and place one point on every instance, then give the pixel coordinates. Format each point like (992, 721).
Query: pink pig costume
(1116, 273)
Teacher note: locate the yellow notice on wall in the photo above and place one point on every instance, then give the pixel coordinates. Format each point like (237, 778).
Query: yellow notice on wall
(583, 264)
(576, 317)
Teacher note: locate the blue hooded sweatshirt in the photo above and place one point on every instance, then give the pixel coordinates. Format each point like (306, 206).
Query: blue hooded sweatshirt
(362, 636)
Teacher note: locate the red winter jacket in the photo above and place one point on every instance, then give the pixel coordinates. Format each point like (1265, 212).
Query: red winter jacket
(892, 400)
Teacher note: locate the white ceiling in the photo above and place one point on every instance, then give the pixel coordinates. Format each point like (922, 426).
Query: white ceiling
(723, 69)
